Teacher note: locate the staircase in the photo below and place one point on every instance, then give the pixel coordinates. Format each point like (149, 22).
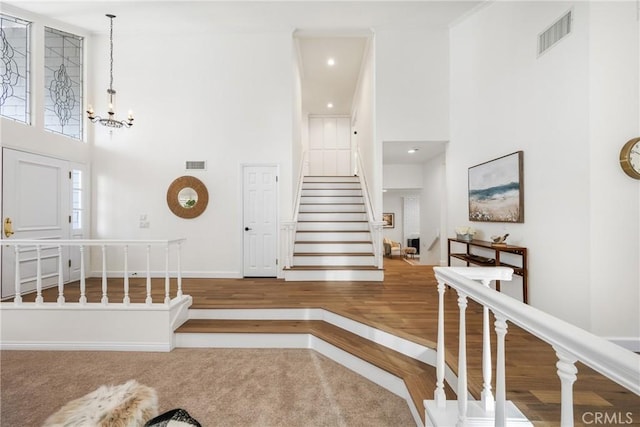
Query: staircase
(333, 239)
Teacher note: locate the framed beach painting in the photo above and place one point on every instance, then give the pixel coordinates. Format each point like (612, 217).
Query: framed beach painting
(496, 192)
(389, 220)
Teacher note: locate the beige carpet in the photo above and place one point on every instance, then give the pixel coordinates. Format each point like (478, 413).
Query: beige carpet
(218, 387)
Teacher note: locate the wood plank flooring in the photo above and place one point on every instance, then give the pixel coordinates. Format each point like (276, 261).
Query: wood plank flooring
(405, 304)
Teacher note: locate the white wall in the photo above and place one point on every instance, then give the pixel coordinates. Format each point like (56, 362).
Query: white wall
(227, 99)
(503, 99)
(363, 112)
(412, 94)
(431, 215)
(614, 197)
(402, 176)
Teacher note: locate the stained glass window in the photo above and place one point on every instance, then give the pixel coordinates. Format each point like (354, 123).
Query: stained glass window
(14, 70)
(63, 83)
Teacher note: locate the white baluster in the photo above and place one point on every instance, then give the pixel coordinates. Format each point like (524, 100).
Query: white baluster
(60, 278)
(167, 283)
(439, 395)
(179, 270)
(17, 300)
(567, 372)
(83, 284)
(105, 299)
(462, 362)
(501, 386)
(39, 299)
(148, 300)
(487, 400)
(126, 300)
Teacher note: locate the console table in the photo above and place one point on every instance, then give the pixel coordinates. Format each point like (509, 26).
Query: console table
(472, 258)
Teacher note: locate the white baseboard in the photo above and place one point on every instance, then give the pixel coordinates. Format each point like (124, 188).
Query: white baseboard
(84, 346)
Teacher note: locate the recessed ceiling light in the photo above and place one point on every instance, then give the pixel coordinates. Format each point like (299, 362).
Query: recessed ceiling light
(330, 105)
(384, 190)
(331, 62)
(413, 150)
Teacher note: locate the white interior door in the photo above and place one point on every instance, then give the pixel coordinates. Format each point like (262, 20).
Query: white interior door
(329, 146)
(35, 198)
(260, 214)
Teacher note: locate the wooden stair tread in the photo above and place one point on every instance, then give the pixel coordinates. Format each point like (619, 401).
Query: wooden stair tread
(333, 254)
(330, 220)
(419, 378)
(332, 267)
(327, 242)
(332, 231)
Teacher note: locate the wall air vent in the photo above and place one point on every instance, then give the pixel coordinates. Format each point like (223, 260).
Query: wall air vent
(196, 165)
(554, 33)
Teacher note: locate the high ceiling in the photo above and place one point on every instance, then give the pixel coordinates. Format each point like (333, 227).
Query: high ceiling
(324, 84)
(337, 29)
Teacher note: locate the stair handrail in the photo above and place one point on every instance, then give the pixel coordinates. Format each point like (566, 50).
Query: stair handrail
(298, 196)
(375, 227)
(570, 342)
(288, 228)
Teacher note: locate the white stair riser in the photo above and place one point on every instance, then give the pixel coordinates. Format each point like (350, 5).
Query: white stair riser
(336, 192)
(331, 208)
(334, 275)
(341, 247)
(332, 199)
(331, 179)
(318, 260)
(331, 185)
(332, 216)
(334, 237)
(334, 225)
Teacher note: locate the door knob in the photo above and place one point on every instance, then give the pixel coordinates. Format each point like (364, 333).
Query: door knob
(8, 227)
(247, 229)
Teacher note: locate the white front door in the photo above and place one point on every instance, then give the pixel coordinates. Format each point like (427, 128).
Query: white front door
(35, 198)
(260, 215)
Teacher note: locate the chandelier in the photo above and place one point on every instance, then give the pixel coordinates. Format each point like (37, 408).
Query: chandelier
(110, 121)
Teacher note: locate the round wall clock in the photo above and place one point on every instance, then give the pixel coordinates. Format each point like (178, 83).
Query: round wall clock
(630, 158)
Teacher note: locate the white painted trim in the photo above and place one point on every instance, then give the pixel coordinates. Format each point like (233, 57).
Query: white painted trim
(83, 345)
(241, 340)
(117, 274)
(630, 343)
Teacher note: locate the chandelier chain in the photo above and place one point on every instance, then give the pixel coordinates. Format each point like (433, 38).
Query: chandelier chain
(111, 57)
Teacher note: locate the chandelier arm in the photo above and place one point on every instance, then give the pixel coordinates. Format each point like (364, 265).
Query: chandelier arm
(110, 121)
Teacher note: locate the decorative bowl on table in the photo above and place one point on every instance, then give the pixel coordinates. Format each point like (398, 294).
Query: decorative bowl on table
(465, 237)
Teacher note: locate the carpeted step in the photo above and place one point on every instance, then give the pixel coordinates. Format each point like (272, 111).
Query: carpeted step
(419, 378)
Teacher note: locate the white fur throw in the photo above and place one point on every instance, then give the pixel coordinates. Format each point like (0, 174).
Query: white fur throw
(126, 405)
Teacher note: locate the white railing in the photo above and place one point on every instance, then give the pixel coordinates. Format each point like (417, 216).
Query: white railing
(375, 227)
(107, 323)
(24, 254)
(288, 228)
(570, 343)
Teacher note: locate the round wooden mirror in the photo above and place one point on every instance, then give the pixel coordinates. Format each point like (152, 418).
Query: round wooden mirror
(187, 197)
